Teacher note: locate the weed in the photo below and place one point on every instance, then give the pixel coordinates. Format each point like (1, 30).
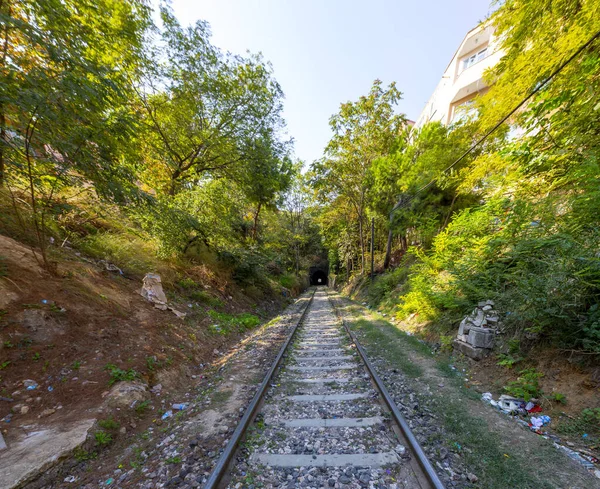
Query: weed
(108, 424)
(227, 323)
(102, 438)
(3, 312)
(173, 460)
(187, 283)
(507, 360)
(5, 364)
(75, 365)
(141, 407)
(46, 365)
(8, 344)
(36, 356)
(558, 397)
(153, 363)
(527, 384)
(82, 455)
(588, 421)
(206, 298)
(446, 342)
(117, 374)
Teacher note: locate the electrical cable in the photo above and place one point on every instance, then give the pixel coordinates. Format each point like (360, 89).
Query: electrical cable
(402, 204)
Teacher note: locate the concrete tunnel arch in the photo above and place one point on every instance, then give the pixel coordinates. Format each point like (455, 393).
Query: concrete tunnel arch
(318, 277)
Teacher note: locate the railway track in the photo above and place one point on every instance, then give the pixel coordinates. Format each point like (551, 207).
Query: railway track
(322, 418)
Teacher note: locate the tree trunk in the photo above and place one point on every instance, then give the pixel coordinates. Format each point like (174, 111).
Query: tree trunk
(362, 244)
(2, 141)
(297, 260)
(388, 249)
(2, 113)
(255, 228)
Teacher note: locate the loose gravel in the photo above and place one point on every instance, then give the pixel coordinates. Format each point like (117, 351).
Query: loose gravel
(322, 424)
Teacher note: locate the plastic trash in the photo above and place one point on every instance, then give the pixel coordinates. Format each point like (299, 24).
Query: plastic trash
(168, 414)
(487, 396)
(30, 385)
(539, 421)
(50, 388)
(109, 481)
(180, 406)
(575, 456)
(70, 478)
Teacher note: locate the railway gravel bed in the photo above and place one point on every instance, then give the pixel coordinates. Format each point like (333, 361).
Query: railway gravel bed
(322, 423)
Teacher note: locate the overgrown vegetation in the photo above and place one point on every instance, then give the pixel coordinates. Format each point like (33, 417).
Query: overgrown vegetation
(515, 221)
(146, 146)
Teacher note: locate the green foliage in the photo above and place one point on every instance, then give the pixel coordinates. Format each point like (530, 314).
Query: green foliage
(117, 374)
(526, 386)
(558, 397)
(103, 438)
(108, 424)
(141, 407)
(227, 323)
(588, 421)
(173, 460)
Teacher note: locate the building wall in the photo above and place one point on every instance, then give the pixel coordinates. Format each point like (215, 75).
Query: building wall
(459, 85)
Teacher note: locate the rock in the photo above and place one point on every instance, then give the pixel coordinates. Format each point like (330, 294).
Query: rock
(24, 409)
(156, 389)
(344, 479)
(478, 318)
(492, 320)
(152, 289)
(40, 325)
(472, 478)
(47, 412)
(470, 351)
(123, 394)
(481, 337)
(6, 296)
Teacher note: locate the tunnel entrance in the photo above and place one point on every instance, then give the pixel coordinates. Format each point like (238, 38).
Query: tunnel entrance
(318, 277)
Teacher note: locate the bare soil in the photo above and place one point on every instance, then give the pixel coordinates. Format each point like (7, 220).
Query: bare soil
(61, 331)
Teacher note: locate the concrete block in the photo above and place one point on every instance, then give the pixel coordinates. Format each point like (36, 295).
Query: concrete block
(471, 351)
(481, 337)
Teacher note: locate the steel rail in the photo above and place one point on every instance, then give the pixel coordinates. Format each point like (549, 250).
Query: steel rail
(422, 459)
(222, 465)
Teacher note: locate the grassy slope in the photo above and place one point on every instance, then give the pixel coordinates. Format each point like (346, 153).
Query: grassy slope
(496, 449)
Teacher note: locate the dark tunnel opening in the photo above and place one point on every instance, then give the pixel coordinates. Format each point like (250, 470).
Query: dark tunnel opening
(318, 277)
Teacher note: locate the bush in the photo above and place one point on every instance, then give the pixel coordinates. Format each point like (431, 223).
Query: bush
(386, 284)
(526, 386)
(227, 323)
(118, 375)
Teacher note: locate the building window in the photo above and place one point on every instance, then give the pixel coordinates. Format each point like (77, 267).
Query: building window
(464, 111)
(474, 58)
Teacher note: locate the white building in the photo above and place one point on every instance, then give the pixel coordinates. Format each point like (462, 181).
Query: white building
(463, 78)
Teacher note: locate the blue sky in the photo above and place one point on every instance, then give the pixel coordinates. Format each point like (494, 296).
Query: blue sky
(325, 52)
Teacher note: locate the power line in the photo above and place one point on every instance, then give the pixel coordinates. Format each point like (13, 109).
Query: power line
(402, 204)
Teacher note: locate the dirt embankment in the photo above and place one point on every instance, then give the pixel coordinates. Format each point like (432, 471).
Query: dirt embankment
(65, 339)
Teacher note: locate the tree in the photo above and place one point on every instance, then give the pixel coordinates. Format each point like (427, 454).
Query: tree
(266, 174)
(66, 69)
(421, 157)
(201, 107)
(362, 132)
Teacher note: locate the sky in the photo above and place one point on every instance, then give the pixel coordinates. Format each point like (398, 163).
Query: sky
(326, 52)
